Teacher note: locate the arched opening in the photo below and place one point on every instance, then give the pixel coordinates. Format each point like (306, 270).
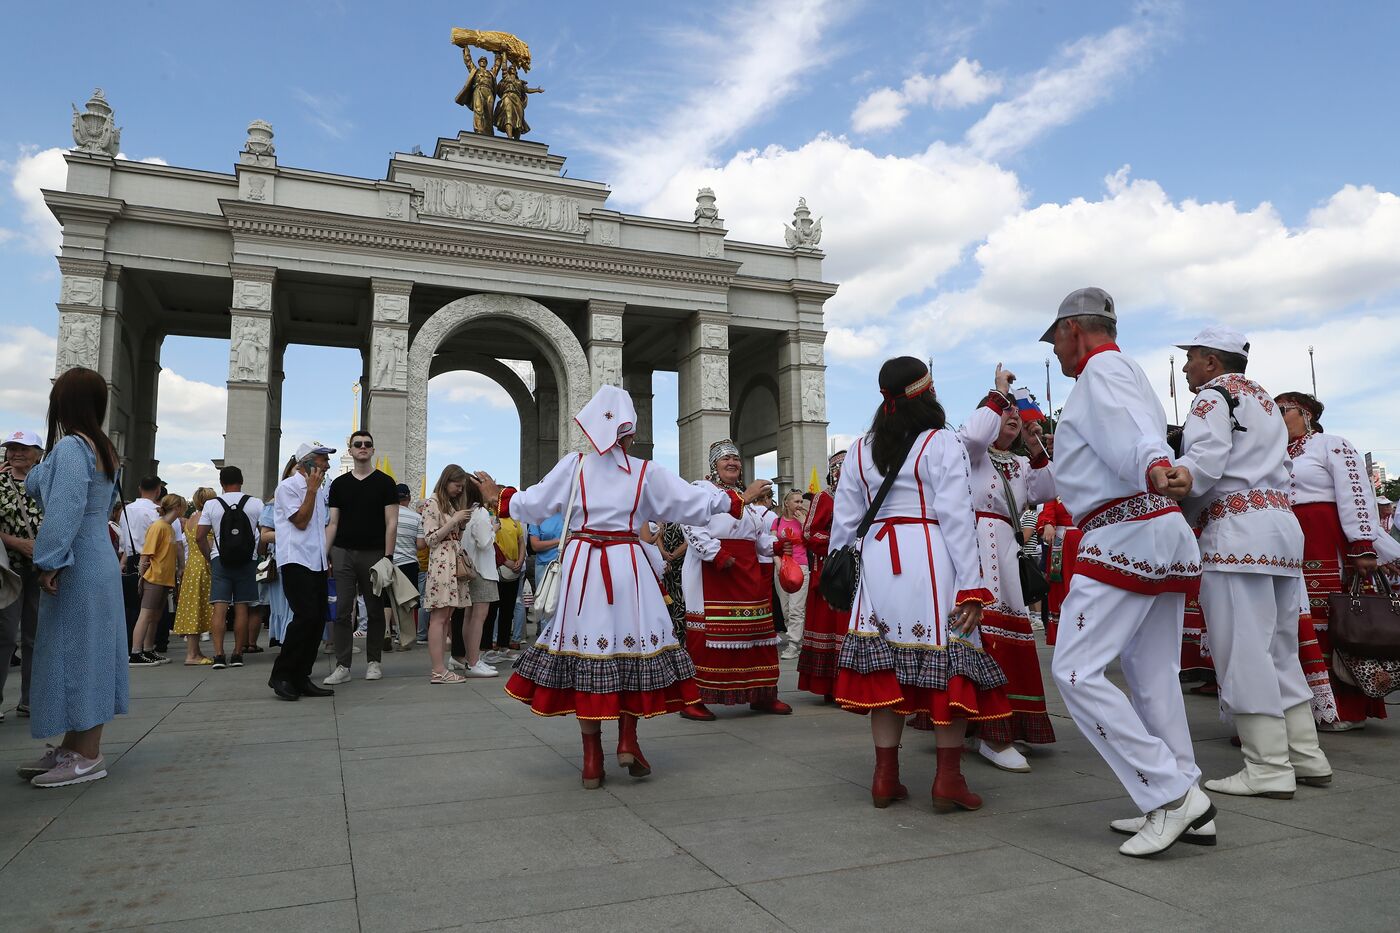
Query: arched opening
(479, 404)
(561, 374)
(754, 426)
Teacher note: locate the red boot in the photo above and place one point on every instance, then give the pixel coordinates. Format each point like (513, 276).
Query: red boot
(629, 754)
(697, 712)
(592, 760)
(949, 789)
(775, 706)
(885, 786)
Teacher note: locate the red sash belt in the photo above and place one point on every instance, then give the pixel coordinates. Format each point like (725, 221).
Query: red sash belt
(1136, 508)
(601, 540)
(884, 532)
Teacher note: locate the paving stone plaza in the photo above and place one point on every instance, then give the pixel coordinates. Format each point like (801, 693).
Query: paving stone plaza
(398, 806)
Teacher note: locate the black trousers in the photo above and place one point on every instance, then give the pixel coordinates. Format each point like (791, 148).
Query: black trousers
(501, 615)
(308, 594)
(131, 597)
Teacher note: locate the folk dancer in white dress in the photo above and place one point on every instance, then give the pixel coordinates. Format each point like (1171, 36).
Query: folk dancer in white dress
(1235, 444)
(1000, 477)
(1137, 561)
(1335, 504)
(913, 645)
(609, 652)
(727, 577)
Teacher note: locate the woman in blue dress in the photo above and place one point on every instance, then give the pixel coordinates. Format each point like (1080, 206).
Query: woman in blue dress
(79, 680)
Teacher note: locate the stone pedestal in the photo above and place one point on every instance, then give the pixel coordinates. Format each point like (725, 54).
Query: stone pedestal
(387, 398)
(251, 397)
(703, 390)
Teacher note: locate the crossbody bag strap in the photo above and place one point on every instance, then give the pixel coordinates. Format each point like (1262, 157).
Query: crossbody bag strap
(569, 509)
(883, 491)
(1010, 504)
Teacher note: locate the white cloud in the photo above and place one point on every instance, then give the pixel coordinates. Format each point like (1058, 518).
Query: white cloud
(893, 225)
(192, 416)
(962, 85)
(24, 397)
(738, 72)
(32, 171)
(462, 387)
(1086, 72)
(184, 478)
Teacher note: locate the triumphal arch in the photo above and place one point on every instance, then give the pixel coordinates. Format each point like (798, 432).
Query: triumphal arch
(481, 252)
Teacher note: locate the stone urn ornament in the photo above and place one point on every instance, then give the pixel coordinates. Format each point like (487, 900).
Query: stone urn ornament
(94, 130)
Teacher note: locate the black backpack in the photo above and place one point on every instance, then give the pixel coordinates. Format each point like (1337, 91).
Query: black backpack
(236, 543)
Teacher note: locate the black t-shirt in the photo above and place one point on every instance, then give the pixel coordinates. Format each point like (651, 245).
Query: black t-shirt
(361, 503)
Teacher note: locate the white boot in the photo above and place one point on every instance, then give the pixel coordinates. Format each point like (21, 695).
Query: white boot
(1267, 773)
(1310, 766)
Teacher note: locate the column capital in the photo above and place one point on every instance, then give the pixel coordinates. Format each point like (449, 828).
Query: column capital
(606, 306)
(245, 272)
(391, 286)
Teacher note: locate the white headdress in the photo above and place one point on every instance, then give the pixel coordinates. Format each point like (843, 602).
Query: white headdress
(607, 418)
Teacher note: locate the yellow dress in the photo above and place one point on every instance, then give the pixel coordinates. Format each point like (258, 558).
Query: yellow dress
(192, 611)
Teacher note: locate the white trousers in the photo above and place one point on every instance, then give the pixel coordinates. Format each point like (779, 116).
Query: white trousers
(794, 606)
(1252, 619)
(1146, 740)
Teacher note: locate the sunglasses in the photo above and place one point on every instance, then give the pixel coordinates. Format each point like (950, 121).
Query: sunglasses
(362, 445)
(1286, 408)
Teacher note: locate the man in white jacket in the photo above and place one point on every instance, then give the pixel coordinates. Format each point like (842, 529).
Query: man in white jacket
(1136, 563)
(1235, 444)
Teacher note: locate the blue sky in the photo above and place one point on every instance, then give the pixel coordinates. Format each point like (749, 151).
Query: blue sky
(973, 163)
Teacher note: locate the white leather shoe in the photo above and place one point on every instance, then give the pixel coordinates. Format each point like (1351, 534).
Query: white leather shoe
(340, 675)
(480, 669)
(373, 671)
(1204, 836)
(1163, 827)
(1008, 759)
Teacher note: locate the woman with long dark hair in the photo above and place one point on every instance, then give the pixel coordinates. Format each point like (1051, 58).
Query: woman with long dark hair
(913, 644)
(1335, 504)
(80, 677)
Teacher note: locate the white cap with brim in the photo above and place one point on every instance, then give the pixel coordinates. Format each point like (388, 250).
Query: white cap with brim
(1079, 302)
(314, 447)
(1216, 337)
(27, 438)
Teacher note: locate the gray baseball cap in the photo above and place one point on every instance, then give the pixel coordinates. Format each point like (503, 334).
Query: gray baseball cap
(1081, 301)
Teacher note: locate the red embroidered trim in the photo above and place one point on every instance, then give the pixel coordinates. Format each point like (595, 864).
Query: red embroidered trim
(996, 402)
(1248, 560)
(1297, 445)
(1040, 461)
(1147, 474)
(1251, 500)
(980, 595)
(1123, 580)
(1137, 508)
(1361, 549)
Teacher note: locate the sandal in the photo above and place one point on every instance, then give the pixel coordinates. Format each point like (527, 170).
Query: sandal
(202, 662)
(447, 677)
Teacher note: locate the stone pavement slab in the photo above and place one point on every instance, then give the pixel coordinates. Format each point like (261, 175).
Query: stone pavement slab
(397, 806)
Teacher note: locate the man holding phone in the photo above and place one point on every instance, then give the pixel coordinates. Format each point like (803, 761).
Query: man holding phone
(299, 519)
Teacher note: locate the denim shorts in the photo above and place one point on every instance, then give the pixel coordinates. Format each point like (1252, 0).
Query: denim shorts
(236, 585)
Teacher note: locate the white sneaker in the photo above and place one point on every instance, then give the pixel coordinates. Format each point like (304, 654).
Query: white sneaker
(1162, 827)
(454, 665)
(373, 671)
(1204, 836)
(491, 657)
(790, 653)
(340, 675)
(1008, 759)
(481, 669)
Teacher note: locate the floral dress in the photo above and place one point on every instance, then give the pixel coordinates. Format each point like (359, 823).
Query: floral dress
(193, 612)
(443, 589)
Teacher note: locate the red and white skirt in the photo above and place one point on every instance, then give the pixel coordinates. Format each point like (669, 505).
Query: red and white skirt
(1324, 543)
(734, 644)
(821, 640)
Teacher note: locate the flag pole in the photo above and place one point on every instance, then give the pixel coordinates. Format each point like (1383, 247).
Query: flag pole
(1176, 411)
(1049, 405)
(1313, 369)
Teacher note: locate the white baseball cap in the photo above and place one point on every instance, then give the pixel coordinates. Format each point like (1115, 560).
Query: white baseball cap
(27, 438)
(1217, 337)
(314, 447)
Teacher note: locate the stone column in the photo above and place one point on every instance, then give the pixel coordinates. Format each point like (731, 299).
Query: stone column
(145, 387)
(387, 403)
(638, 385)
(703, 389)
(275, 375)
(801, 405)
(250, 392)
(547, 402)
(604, 345)
(83, 340)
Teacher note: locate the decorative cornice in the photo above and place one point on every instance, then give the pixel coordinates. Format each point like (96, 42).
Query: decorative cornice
(375, 235)
(172, 217)
(250, 273)
(800, 288)
(90, 267)
(381, 286)
(69, 207)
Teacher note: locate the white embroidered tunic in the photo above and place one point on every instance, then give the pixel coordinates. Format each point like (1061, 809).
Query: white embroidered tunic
(1327, 468)
(1240, 481)
(1112, 430)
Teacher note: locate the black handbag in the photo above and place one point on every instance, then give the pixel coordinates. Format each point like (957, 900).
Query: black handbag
(1034, 586)
(1366, 625)
(841, 571)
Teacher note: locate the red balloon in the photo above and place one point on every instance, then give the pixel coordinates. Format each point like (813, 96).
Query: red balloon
(789, 575)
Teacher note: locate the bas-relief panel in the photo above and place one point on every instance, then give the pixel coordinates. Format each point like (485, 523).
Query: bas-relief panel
(813, 396)
(443, 197)
(714, 336)
(391, 308)
(81, 290)
(390, 352)
(252, 296)
(249, 339)
(714, 382)
(79, 341)
(607, 366)
(812, 354)
(606, 326)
